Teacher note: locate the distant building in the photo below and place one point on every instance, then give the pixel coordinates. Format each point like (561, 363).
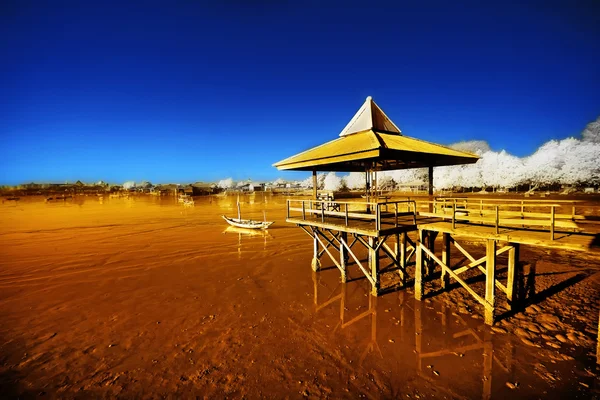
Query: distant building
(252, 187)
(203, 188)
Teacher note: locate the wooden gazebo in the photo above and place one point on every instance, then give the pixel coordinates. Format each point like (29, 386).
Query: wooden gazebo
(371, 142)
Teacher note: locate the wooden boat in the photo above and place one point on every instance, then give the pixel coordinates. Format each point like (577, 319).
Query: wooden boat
(247, 223)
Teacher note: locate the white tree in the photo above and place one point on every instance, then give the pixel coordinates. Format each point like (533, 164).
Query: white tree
(129, 185)
(591, 133)
(332, 182)
(308, 182)
(225, 183)
(356, 180)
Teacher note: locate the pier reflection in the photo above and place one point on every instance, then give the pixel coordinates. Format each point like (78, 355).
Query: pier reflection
(456, 354)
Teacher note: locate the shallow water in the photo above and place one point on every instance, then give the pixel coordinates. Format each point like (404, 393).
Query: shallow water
(141, 297)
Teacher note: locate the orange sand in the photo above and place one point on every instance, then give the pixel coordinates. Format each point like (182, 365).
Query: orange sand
(141, 298)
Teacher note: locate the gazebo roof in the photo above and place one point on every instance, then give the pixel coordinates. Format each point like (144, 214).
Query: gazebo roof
(371, 141)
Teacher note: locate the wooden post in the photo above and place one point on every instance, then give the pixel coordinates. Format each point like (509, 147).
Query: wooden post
(374, 266)
(446, 260)
(314, 176)
(401, 254)
(513, 261)
(343, 254)
(490, 280)
(316, 263)
(419, 267)
(430, 188)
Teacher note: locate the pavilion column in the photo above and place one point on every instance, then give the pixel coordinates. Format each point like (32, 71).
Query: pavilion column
(314, 175)
(430, 188)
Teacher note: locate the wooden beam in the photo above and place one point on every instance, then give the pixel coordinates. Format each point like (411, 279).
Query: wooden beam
(490, 280)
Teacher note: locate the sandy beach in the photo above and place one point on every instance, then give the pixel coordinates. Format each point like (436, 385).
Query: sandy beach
(140, 297)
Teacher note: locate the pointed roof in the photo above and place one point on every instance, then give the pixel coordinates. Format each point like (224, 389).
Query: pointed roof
(370, 117)
(371, 141)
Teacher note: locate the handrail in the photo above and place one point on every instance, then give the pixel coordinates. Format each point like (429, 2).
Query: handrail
(321, 209)
(498, 222)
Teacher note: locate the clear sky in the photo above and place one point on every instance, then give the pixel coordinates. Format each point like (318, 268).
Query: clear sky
(179, 91)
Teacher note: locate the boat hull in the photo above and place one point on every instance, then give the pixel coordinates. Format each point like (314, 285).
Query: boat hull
(247, 223)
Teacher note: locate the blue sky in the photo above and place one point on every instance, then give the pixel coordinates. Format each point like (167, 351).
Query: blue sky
(188, 90)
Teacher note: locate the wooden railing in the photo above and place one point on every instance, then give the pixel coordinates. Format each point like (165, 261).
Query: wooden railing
(505, 212)
(387, 213)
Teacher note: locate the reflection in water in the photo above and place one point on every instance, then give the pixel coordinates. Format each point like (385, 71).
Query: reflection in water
(440, 340)
(253, 233)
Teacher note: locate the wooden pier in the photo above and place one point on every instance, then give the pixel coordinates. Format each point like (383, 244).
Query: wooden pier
(383, 231)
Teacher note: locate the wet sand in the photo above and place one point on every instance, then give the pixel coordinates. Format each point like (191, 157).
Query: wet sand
(142, 298)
